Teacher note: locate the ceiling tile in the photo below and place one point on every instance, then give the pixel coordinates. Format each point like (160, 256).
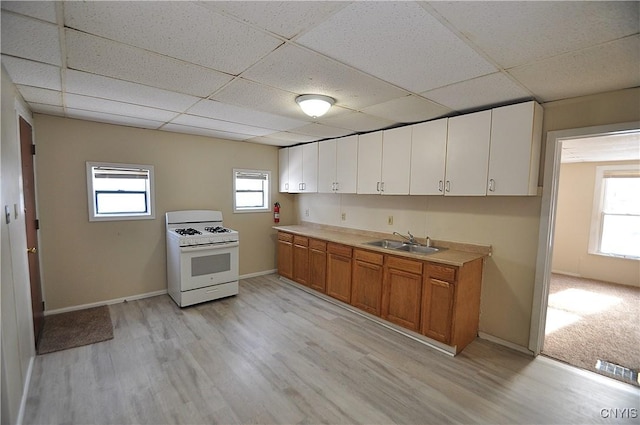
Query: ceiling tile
(220, 43)
(485, 91)
(177, 128)
(320, 131)
(356, 121)
(408, 109)
(40, 95)
(300, 71)
(285, 18)
(112, 59)
(226, 112)
(98, 86)
(30, 39)
(231, 127)
(112, 119)
(602, 68)
(94, 104)
(397, 41)
(30, 73)
(45, 10)
(520, 32)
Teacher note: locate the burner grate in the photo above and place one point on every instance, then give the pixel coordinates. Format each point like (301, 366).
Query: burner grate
(621, 372)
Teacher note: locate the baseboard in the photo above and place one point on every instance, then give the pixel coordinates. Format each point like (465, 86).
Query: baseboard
(106, 302)
(505, 343)
(25, 391)
(262, 273)
(562, 272)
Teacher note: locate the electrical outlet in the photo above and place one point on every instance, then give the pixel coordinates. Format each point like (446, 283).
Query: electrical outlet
(390, 220)
(306, 212)
(344, 216)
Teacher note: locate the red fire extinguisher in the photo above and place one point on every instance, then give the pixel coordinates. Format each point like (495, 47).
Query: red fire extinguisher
(276, 212)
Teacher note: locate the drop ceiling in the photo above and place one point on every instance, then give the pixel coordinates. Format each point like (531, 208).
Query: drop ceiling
(232, 69)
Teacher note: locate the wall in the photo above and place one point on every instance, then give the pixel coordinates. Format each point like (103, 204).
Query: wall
(85, 262)
(573, 222)
(16, 316)
(509, 224)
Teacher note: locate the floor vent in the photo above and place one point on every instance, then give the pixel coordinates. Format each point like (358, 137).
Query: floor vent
(620, 372)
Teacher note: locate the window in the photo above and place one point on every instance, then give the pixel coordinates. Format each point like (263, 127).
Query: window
(251, 190)
(615, 227)
(120, 191)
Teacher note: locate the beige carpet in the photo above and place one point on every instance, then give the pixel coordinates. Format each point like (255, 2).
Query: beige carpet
(590, 320)
(75, 328)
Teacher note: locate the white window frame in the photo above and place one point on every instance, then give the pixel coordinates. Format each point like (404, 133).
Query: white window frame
(266, 196)
(595, 234)
(91, 193)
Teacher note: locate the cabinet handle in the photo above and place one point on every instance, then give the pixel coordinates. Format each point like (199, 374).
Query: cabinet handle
(492, 185)
(299, 186)
(337, 186)
(377, 186)
(440, 186)
(447, 187)
(304, 186)
(381, 186)
(286, 186)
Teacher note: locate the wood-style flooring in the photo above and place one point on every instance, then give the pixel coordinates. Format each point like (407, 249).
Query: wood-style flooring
(275, 354)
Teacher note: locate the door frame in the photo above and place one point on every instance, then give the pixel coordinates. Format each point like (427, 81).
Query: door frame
(548, 217)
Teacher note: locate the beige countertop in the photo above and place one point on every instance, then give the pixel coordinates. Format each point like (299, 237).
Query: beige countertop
(456, 254)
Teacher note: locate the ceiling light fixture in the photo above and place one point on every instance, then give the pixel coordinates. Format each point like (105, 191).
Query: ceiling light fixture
(315, 105)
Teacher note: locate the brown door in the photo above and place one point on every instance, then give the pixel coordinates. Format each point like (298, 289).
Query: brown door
(28, 182)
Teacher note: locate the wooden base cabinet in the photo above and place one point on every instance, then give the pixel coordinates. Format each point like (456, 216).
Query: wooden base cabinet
(451, 303)
(402, 292)
(339, 264)
(318, 265)
(285, 255)
(301, 259)
(366, 290)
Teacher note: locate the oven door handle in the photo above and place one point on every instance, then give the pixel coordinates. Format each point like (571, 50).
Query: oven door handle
(221, 245)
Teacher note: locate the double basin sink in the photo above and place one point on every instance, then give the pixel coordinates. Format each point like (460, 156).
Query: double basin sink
(404, 246)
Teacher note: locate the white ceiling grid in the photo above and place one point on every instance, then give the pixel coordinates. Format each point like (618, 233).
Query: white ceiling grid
(232, 69)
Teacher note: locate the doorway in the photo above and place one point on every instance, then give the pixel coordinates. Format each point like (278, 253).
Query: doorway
(542, 315)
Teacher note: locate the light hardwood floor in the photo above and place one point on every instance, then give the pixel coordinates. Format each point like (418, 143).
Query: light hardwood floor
(275, 354)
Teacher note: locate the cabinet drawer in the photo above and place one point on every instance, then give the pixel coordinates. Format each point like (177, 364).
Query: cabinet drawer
(368, 256)
(287, 237)
(317, 245)
(337, 249)
(404, 264)
(441, 272)
(300, 240)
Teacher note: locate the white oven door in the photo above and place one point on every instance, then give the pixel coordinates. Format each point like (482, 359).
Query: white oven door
(207, 265)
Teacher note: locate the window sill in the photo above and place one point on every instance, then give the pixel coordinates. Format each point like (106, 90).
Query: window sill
(621, 257)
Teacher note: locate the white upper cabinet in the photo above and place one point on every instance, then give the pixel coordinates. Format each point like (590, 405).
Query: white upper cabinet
(338, 165)
(514, 158)
(369, 163)
(303, 168)
(468, 154)
(396, 161)
(283, 168)
(428, 156)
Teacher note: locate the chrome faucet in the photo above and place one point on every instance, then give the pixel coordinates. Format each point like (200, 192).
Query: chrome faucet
(411, 239)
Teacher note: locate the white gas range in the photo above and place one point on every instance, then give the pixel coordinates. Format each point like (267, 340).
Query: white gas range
(202, 257)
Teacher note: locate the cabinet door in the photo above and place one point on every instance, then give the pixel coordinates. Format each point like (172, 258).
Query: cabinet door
(369, 163)
(428, 157)
(396, 161)
(437, 309)
(339, 272)
(327, 166)
(283, 168)
(301, 260)
(295, 169)
(514, 158)
(310, 167)
(347, 164)
(366, 291)
(285, 255)
(468, 154)
(402, 298)
(317, 265)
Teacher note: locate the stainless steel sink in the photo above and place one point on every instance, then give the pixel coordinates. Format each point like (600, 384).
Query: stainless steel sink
(406, 247)
(386, 243)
